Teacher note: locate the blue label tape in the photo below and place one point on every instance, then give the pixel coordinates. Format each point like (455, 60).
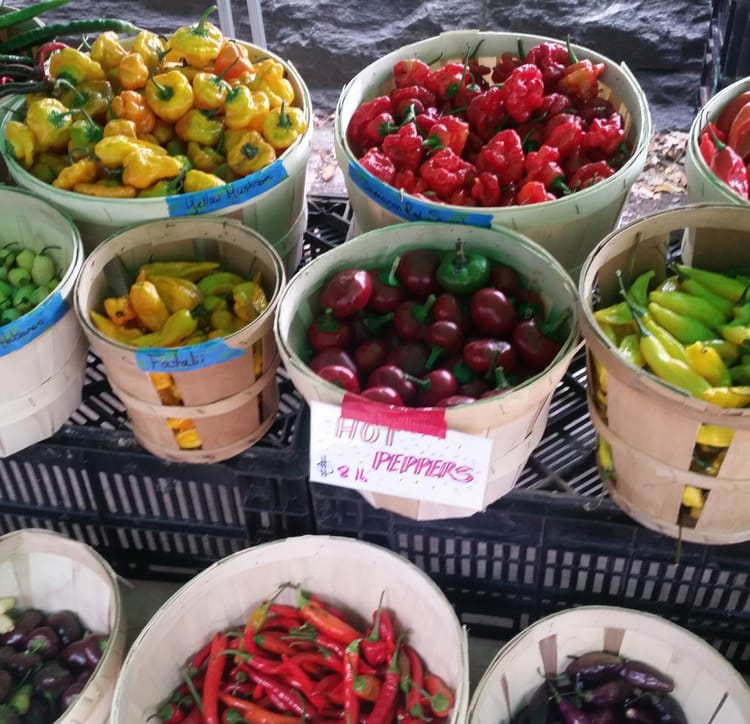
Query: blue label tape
(183, 359)
(410, 208)
(244, 189)
(17, 334)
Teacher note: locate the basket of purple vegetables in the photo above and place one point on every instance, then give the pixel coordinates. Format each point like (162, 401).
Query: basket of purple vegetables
(62, 634)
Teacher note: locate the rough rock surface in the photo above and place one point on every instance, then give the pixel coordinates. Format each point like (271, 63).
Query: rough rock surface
(662, 41)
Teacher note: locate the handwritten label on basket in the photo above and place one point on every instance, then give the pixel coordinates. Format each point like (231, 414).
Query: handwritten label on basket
(183, 359)
(403, 453)
(408, 207)
(237, 192)
(27, 328)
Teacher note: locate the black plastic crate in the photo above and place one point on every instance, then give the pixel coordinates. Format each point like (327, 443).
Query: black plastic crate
(157, 519)
(727, 56)
(558, 541)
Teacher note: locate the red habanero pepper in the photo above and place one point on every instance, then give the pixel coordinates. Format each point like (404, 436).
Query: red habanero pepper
(589, 174)
(445, 172)
(351, 670)
(256, 713)
(346, 292)
(604, 134)
(216, 661)
(505, 64)
(729, 167)
(362, 116)
(503, 155)
(379, 165)
(581, 79)
(523, 92)
(325, 622)
(542, 165)
(405, 147)
(407, 181)
(411, 100)
(448, 132)
(410, 71)
(564, 132)
(533, 192)
(448, 81)
(554, 104)
(552, 59)
(485, 189)
(486, 111)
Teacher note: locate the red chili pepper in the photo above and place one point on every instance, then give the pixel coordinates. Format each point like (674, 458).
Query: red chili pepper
(255, 713)
(385, 706)
(194, 716)
(523, 91)
(214, 673)
(730, 168)
(327, 683)
(346, 292)
(416, 681)
(325, 622)
(199, 658)
(367, 687)
(379, 165)
(533, 192)
(504, 156)
(318, 660)
(440, 696)
(272, 642)
(233, 716)
(170, 713)
(284, 698)
(445, 172)
(410, 71)
(362, 116)
(405, 147)
(43, 54)
(258, 662)
(351, 670)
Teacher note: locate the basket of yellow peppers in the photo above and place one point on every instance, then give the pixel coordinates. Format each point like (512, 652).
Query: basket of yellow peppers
(181, 314)
(666, 320)
(145, 127)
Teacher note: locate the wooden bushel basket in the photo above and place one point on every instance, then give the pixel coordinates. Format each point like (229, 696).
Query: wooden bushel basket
(48, 571)
(708, 688)
(652, 426)
(347, 573)
(231, 407)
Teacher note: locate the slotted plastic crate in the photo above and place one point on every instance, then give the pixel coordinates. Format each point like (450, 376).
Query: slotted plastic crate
(727, 55)
(151, 518)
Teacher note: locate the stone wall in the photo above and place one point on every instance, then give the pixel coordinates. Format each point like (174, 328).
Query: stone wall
(662, 41)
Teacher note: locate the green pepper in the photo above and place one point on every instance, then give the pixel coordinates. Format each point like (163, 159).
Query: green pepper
(638, 290)
(43, 269)
(690, 306)
(219, 282)
(694, 287)
(686, 329)
(22, 298)
(178, 327)
(6, 291)
(718, 283)
(11, 314)
(84, 134)
(8, 254)
(25, 259)
(19, 276)
(463, 272)
(630, 349)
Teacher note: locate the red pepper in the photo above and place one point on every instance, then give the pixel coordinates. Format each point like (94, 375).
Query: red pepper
(405, 147)
(485, 112)
(411, 101)
(564, 132)
(739, 132)
(504, 66)
(346, 292)
(447, 81)
(367, 687)
(485, 189)
(214, 673)
(369, 355)
(446, 339)
(170, 713)
(327, 331)
(379, 165)
(605, 135)
(383, 395)
(485, 354)
(449, 132)
(445, 172)
(272, 642)
(523, 92)
(362, 116)
(555, 104)
(503, 155)
(435, 386)
(310, 659)
(581, 79)
(707, 146)
(542, 165)
(330, 356)
(416, 681)
(325, 622)
(533, 192)
(412, 318)
(351, 670)
(416, 270)
(411, 357)
(552, 59)
(729, 167)
(440, 696)
(340, 376)
(534, 343)
(492, 312)
(385, 705)
(407, 181)
(256, 713)
(281, 609)
(448, 308)
(506, 279)
(410, 71)
(394, 377)
(589, 174)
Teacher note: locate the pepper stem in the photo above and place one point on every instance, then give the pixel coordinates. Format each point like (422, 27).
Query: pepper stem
(571, 53)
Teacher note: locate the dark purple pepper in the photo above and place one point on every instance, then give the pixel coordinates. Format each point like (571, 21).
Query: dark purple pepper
(6, 685)
(94, 646)
(73, 656)
(23, 663)
(71, 694)
(594, 666)
(44, 641)
(608, 693)
(52, 678)
(5, 653)
(66, 624)
(26, 622)
(647, 677)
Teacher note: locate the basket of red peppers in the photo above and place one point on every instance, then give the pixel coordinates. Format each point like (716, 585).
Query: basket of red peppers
(314, 628)
(488, 128)
(717, 160)
(479, 324)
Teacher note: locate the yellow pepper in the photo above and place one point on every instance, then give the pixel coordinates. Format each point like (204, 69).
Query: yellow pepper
(92, 96)
(163, 187)
(177, 292)
(83, 171)
(178, 327)
(692, 497)
(707, 362)
(604, 459)
(148, 306)
(123, 335)
(204, 158)
(188, 439)
(107, 50)
(199, 44)
(169, 95)
(120, 310)
(161, 380)
(283, 126)
(120, 127)
(48, 165)
(74, 66)
(193, 270)
(714, 435)
(219, 282)
(163, 132)
(269, 78)
(727, 397)
(113, 150)
(198, 127)
(209, 91)
(250, 153)
(247, 109)
(225, 322)
(132, 72)
(20, 142)
(84, 134)
(107, 189)
(132, 105)
(249, 300)
(196, 180)
(49, 121)
(144, 166)
(150, 47)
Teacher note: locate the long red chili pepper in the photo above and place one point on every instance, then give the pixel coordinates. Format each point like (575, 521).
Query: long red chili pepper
(385, 706)
(313, 659)
(272, 642)
(214, 672)
(416, 681)
(259, 663)
(351, 669)
(283, 697)
(326, 622)
(256, 713)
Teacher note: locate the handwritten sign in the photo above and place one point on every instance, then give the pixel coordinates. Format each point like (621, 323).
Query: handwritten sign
(410, 208)
(17, 334)
(365, 455)
(184, 359)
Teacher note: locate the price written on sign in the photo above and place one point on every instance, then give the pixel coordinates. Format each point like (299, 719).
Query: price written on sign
(364, 455)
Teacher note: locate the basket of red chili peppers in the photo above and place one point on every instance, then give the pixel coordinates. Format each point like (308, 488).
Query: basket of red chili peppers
(476, 326)
(489, 129)
(605, 664)
(717, 158)
(314, 628)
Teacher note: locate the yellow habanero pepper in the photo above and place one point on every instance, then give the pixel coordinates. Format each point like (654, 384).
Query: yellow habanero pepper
(269, 78)
(209, 91)
(107, 50)
(92, 96)
(163, 132)
(107, 189)
(250, 153)
(150, 47)
(148, 306)
(113, 150)
(198, 127)
(177, 292)
(196, 180)
(49, 121)
(283, 126)
(244, 108)
(144, 166)
(20, 142)
(727, 397)
(204, 158)
(199, 44)
(132, 105)
(74, 66)
(169, 95)
(120, 127)
(132, 72)
(83, 171)
(178, 327)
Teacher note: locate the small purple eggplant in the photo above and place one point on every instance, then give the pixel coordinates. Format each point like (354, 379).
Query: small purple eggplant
(25, 622)
(594, 667)
(44, 641)
(646, 677)
(66, 624)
